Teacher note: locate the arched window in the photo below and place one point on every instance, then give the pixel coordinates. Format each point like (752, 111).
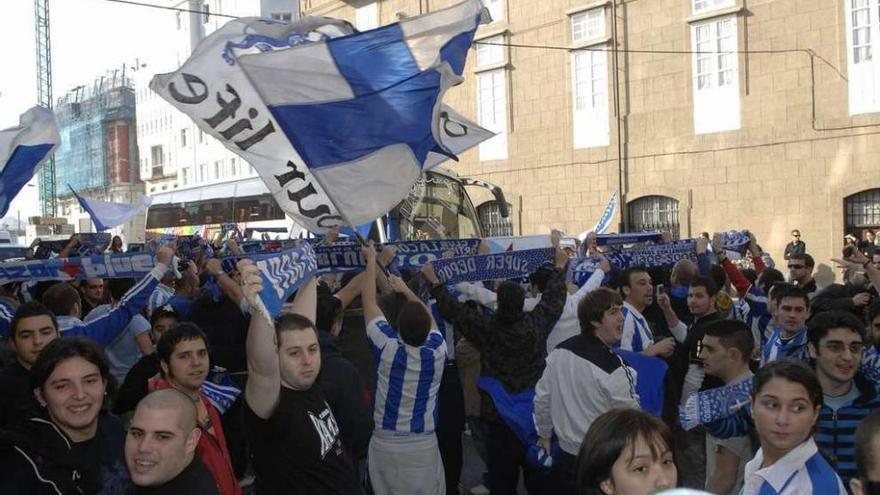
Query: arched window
(653, 213)
(493, 224)
(862, 212)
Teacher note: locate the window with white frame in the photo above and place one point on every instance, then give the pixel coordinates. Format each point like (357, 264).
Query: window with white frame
(490, 51)
(233, 166)
(492, 110)
(706, 5)
(184, 176)
(367, 17)
(588, 25)
(203, 172)
(715, 75)
(496, 9)
(589, 83)
(862, 33)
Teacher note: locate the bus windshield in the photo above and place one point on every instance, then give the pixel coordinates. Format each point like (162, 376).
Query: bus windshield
(437, 208)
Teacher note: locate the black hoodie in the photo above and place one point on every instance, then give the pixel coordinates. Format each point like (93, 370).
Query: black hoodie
(38, 458)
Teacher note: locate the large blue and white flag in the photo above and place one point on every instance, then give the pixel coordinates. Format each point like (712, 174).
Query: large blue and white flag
(106, 215)
(23, 149)
(312, 99)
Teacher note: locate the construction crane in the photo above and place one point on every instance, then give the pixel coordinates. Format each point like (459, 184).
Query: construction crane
(44, 99)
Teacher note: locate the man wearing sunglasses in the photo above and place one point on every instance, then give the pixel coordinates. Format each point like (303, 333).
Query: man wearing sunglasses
(796, 246)
(800, 270)
(837, 343)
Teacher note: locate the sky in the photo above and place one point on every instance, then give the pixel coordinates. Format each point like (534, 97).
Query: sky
(89, 37)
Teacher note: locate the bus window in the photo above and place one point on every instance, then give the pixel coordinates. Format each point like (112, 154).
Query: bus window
(437, 208)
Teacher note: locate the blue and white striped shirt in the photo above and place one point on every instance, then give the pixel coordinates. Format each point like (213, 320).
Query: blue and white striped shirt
(801, 471)
(407, 379)
(776, 349)
(637, 335)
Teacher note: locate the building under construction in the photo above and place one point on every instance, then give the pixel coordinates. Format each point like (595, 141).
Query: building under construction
(98, 155)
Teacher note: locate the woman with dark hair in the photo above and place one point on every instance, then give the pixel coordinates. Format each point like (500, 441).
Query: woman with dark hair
(73, 446)
(626, 452)
(116, 244)
(785, 403)
(867, 481)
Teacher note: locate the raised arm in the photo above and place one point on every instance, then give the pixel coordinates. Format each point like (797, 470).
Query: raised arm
(676, 327)
(106, 328)
(264, 379)
(368, 286)
(227, 285)
(71, 245)
(466, 318)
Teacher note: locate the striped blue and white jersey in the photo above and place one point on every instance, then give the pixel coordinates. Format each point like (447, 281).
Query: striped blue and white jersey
(160, 296)
(777, 349)
(407, 379)
(637, 335)
(802, 471)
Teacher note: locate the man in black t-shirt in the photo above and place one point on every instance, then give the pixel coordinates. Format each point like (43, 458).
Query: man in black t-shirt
(160, 447)
(294, 436)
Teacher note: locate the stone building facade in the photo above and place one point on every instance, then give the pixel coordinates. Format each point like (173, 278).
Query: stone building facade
(711, 114)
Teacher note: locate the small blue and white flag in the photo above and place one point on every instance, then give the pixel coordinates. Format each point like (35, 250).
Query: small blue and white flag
(604, 221)
(23, 149)
(106, 215)
(338, 124)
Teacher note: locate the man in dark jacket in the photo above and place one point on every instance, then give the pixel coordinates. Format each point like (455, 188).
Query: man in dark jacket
(854, 295)
(513, 348)
(340, 380)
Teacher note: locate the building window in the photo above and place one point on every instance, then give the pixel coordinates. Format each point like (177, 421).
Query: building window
(862, 212)
(367, 17)
(490, 51)
(233, 167)
(862, 31)
(157, 155)
(183, 138)
(492, 109)
(281, 16)
(201, 136)
(589, 82)
(491, 221)
(653, 213)
(496, 9)
(589, 25)
(178, 21)
(206, 13)
(203, 172)
(184, 176)
(218, 169)
(716, 76)
(705, 5)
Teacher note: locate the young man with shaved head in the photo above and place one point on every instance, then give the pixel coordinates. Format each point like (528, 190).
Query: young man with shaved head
(160, 447)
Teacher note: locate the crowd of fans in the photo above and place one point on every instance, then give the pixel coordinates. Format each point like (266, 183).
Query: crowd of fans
(366, 383)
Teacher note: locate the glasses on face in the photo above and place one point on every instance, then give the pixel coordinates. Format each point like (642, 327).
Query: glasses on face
(836, 347)
(795, 267)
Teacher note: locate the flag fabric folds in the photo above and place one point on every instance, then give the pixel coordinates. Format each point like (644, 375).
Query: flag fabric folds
(106, 215)
(338, 124)
(23, 149)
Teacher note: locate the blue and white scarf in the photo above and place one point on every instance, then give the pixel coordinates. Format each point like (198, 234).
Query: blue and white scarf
(410, 254)
(714, 404)
(736, 241)
(89, 244)
(580, 269)
(283, 273)
(220, 390)
(513, 264)
(122, 265)
(628, 238)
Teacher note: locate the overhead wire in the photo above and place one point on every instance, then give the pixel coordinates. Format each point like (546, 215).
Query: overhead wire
(813, 56)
